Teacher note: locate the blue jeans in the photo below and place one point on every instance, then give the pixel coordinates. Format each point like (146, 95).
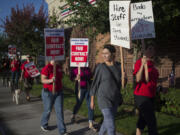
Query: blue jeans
(48, 101)
(15, 78)
(108, 124)
(84, 94)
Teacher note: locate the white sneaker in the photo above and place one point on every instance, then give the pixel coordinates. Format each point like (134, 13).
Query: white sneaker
(45, 129)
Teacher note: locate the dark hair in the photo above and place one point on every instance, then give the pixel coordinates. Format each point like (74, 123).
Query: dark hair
(150, 44)
(110, 48)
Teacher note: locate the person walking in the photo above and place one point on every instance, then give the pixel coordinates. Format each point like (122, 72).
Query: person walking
(106, 86)
(15, 71)
(146, 84)
(49, 98)
(85, 79)
(28, 80)
(6, 70)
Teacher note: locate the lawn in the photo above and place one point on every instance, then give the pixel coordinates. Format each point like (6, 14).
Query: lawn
(125, 119)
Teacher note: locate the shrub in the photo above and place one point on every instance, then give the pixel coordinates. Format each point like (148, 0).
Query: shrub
(170, 102)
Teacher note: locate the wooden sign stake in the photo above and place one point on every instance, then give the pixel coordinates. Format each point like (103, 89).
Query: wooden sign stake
(54, 75)
(122, 67)
(79, 87)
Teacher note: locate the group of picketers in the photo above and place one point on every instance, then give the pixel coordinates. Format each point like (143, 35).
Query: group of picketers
(104, 83)
(13, 73)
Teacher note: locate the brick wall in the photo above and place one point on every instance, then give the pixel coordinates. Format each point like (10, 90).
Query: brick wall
(166, 54)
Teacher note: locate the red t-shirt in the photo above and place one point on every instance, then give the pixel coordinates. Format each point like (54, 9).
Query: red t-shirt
(48, 72)
(143, 88)
(16, 64)
(26, 75)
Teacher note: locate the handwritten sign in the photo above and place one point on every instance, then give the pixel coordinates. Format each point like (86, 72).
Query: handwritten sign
(142, 20)
(119, 23)
(79, 52)
(54, 44)
(31, 69)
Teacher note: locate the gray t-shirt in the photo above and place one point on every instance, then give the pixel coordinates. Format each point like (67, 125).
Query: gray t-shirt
(105, 87)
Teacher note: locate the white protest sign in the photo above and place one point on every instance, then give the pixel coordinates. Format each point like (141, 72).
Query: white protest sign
(79, 52)
(142, 20)
(31, 69)
(119, 23)
(54, 44)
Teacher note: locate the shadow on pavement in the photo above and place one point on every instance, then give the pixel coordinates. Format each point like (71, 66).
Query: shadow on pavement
(4, 130)
(80, 131)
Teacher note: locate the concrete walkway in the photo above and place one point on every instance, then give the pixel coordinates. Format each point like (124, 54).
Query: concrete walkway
(24, 119)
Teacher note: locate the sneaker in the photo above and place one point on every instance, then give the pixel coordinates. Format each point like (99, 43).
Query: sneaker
(93, 128)
(45, 129)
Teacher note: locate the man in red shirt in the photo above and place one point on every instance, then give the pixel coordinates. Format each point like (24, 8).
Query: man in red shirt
(15, 69)
(49, 98)
(146, 82)
(28, 80)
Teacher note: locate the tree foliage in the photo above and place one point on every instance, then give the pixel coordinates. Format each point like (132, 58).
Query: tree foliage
(25, 29)
(3, 43)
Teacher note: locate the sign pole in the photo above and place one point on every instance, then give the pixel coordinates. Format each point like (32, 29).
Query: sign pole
(143, 45)
(122, 67)
(54, 75)
(79, 89)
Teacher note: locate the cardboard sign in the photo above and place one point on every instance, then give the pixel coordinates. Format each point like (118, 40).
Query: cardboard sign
(31, 69)
(54, 44)
(11, 50)
(142, 20)
(119, 23)
(79, 52)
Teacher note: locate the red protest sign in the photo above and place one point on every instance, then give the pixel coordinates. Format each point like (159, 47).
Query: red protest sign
(79, 52)
(31, 69)
(54, 44)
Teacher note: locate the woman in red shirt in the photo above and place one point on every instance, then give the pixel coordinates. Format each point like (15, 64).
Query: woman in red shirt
(49, 98)
(146, 82)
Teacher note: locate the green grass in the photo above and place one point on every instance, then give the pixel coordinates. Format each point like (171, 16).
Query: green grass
(125, 120)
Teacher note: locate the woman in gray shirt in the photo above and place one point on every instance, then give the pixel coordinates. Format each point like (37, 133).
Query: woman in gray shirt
(106, 86)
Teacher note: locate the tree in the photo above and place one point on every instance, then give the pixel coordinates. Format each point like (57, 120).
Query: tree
(3, 44)
(25, 29)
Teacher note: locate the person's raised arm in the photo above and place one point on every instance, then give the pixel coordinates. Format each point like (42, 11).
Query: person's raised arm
(140, 72)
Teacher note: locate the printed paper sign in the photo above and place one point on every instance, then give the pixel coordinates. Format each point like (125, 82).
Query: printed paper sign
(79, 52)
(54, 44)
(119, 23)
(11, 50)
(142, 20)
(31, 69)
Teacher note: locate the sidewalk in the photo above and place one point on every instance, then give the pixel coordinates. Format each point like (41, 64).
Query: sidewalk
(24, 119)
